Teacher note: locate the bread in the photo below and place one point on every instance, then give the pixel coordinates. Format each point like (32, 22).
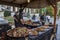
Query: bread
(45, 27)
(33, 32)
(18, 32)
(40, 29)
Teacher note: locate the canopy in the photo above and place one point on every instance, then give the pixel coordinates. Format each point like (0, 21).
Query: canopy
(31, 4)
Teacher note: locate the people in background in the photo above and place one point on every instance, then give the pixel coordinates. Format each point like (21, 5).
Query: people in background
(48, 18)
(34, 17)
(42, 19)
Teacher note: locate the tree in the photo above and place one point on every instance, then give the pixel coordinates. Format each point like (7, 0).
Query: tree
(28, 14)
(50, 10)
(7, 13)
(59, 12)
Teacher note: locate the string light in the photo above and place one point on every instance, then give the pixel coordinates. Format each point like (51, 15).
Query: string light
(28, 1)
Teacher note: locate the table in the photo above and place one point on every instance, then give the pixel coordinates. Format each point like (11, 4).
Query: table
(15, 38)
(45, 35)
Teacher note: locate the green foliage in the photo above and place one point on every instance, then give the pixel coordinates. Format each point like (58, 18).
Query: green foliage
(7, 13)
(10, 19)
(58, 4)
(37, 11)
(50, 11)
(40, 11)
(28, 15)
(59, 12)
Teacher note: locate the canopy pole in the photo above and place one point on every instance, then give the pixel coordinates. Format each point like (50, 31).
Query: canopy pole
(55, 13)
(54, 5)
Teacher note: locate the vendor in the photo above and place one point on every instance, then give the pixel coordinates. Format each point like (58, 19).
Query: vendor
(21, 21)
(18, 21)
(16, 17)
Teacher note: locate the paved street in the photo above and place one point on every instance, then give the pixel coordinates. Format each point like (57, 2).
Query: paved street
(58, 31)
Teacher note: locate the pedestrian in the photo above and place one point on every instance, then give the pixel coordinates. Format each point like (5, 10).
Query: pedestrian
(48, 18)
(34, 17)
(42, 19)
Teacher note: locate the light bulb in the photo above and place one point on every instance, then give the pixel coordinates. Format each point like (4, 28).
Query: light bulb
(28, 1)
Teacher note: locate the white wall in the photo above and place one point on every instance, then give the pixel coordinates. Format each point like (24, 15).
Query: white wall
(0, 7)
(1, 14)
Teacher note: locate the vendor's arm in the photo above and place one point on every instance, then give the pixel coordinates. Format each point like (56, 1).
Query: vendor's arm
(22, 21)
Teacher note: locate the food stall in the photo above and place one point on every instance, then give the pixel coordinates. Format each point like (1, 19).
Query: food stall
(38, 33)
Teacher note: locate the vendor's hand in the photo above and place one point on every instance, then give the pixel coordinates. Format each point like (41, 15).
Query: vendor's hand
(22, 21)
(16, 20)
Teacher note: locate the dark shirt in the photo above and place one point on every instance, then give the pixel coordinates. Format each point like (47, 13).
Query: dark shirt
(17, 17)
(33, 17)
(42, 17)
(20, 15)
(17, 24)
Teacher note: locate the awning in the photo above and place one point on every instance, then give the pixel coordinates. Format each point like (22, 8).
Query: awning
(31, 4)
